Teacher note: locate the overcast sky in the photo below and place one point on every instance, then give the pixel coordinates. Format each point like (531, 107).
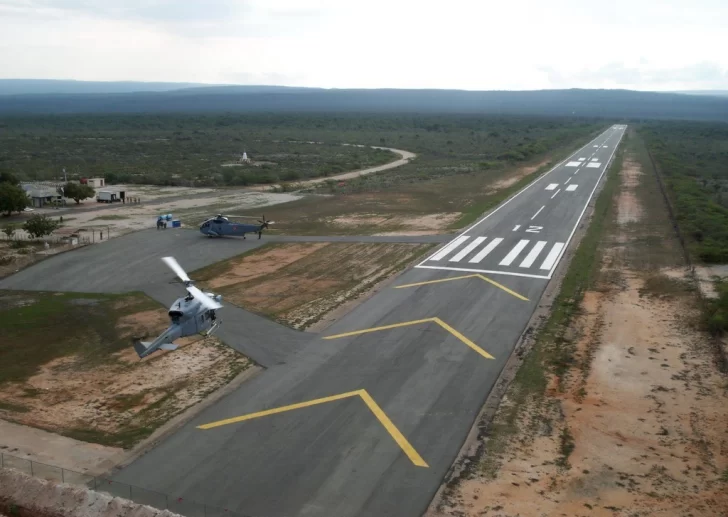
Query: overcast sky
(464, 44)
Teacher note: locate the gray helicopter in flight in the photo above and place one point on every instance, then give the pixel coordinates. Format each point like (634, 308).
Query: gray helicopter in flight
(193, 314)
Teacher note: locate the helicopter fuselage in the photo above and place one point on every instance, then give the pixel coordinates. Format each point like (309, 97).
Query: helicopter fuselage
(220, 226)
(190, 316)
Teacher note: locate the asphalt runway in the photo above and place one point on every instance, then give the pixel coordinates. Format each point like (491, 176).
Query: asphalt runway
(133, 263)
(364, 420)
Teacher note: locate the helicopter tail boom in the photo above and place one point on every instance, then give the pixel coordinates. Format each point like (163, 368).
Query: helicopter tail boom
(162, 342)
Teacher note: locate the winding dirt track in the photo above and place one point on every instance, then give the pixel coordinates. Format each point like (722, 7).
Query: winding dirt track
(405, 157)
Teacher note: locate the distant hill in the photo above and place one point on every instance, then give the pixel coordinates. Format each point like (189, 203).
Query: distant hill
(51, 86)
(719, 93)
(623, 104)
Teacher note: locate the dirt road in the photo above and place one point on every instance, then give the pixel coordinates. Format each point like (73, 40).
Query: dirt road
(406, 156)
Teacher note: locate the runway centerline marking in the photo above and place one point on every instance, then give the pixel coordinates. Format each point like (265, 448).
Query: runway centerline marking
(417, 322)
(363, 394)
(539, 211)
(559, 191)
(515, 228)
(477, 275)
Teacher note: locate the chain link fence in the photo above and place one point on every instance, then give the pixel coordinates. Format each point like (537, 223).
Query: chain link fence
(175, 504)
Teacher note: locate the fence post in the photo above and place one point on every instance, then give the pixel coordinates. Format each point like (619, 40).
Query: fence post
(63, 477)
(130, 493)
(31, 467)
(2, 460)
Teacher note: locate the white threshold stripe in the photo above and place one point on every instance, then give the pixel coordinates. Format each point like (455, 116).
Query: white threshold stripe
(484, 252)
(531, 257)
(514, 253)
(553, 254)
(450, 247)
(488, 271)
(467, 249)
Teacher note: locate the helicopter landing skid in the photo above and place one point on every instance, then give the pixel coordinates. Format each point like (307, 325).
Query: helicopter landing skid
(212, 329)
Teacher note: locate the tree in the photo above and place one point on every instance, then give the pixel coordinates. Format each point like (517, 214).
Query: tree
(9, 230)
(40, 225)
(8, 177)
(78, 191)
(12, 198)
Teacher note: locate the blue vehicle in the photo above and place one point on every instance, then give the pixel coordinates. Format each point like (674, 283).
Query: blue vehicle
(220, 226)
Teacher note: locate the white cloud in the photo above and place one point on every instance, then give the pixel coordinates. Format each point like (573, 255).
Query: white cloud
(486, 44)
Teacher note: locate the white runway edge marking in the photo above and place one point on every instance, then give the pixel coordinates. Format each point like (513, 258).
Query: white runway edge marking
(514, 196)
(467, 249)
(450, 247)
(572, 187)
(514, 253)
(539, 211)
(568, 188)
(531, 257)
(484, 252)
(594, 165)
(552, 186)
(573, 164)
(599, 179)
(552, 256)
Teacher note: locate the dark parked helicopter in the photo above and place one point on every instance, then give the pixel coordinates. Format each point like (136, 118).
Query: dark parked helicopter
(220, 226)
(193, 314)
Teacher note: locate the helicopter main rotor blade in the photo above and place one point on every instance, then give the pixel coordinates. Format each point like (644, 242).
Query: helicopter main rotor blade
(203, 298)
(174, 266)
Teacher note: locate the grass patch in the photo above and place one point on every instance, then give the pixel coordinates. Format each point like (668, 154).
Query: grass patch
(15, 408)
(662, 286)
(566, 447)
(126, 438)
(109, 218)
(39, 327)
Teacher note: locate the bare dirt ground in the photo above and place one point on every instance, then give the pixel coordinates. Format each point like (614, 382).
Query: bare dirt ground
(516, 176)
(414, 225)
(634, 422)
(116, 403)
(299, 283)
